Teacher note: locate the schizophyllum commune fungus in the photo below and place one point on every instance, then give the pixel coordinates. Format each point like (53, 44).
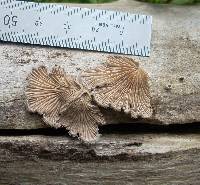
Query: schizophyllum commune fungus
(122, 85)
(64, 102)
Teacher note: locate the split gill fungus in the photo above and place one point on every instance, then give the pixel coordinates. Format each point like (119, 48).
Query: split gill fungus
(64, 102)
(122, 85)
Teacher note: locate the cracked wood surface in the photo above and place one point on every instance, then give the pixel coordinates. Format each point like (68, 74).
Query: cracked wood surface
(116, 159)
(173, 67)
(129, 158)
(110, 147)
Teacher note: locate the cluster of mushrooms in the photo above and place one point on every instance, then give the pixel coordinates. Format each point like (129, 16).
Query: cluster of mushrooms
(74, 104)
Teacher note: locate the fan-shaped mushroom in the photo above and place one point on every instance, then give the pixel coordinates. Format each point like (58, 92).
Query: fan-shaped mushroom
(82, 118)
(47, 93)
(58, 97)
(121, 85)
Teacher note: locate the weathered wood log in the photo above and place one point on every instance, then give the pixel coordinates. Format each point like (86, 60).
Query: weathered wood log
(173, 68)
(147, 158)
(139, 158)
(110, 147)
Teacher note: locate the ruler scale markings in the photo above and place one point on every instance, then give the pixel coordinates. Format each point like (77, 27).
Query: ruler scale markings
(56, 25)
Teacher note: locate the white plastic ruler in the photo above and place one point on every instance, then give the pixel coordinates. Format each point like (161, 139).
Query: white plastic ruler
(75, 27)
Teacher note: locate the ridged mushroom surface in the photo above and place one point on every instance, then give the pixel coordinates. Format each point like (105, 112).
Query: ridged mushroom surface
(120, 84)
(82, 118)
(63, 102)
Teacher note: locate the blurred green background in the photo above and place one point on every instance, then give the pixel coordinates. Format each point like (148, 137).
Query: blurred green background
(74, 1)
(180, 2)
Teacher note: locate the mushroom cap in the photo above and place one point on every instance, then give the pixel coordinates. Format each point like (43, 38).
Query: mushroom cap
(63, 102)
(47, 93)
(82, 118)
(120, 84)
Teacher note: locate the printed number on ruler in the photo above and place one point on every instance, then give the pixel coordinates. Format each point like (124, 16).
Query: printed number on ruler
(74, 27)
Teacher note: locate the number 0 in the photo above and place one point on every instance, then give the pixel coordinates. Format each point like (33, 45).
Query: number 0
(6, 20)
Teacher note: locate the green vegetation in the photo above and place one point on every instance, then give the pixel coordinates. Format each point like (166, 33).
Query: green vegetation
(179, 2)
(73, 1)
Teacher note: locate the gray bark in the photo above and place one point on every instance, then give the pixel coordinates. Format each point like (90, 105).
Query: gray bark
(125, 158)
(116, 159)
(173, 68)
(109, 147)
